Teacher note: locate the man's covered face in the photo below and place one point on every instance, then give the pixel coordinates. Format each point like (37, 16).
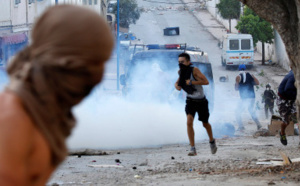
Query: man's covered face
(184, 61)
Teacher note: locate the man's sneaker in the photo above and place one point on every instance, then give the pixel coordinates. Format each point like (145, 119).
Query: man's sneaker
(213, 147)
(283, 139)
(192, 152)
(241, 129)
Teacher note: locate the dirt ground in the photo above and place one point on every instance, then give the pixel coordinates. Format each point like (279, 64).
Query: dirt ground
(235, 163)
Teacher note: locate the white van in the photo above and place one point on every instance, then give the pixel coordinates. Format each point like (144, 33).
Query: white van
(237, 49)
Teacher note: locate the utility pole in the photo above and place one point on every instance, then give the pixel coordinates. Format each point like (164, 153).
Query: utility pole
(118, 46)
(35, 8)
(26, 5)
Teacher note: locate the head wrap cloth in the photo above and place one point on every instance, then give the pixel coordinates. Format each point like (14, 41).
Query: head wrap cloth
(59, 68)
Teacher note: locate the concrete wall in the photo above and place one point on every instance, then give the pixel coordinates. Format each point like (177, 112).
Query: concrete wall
(5, 17)
(280, 53)
(275, 52)
(98, 5)
(19, 16)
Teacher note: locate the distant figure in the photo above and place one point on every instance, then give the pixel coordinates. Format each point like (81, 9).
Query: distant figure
(244, 83)
(287, 93)
(268, 98)
(64, 61)
(191, 80)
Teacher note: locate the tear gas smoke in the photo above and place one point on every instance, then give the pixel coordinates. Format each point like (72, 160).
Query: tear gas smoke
(150, 114)
(3, 79)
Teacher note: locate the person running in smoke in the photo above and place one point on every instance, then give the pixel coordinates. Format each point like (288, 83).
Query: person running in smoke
(287, 93)
(268, 98)
(244, 83)
(191, 80)
(62, 64)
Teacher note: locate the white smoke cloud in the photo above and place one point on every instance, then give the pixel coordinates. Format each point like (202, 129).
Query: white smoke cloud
(150, 115)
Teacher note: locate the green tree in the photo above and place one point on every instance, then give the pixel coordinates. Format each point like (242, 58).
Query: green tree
(261, 30)
(229, 9)
(128, 12)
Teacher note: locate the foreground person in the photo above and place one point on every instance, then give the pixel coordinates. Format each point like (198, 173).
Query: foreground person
(191, 80)
(286, 102)
(55, 72)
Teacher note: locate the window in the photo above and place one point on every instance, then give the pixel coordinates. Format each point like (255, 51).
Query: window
(90, 2)
(84, 2)
(245, 44)
(109, 18)
(17, 1)
(30, 1)
(234, 44)
(95, 2)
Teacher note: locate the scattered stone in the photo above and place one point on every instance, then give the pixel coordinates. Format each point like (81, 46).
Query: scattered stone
(144, 164)
(133, 168)
(94, 161)
(172, 158)
(224, 78)
(117, 161)
(204, 172)
(118, 153)
(87, 152)
(79, 156)
(137, 176)
(262, 132)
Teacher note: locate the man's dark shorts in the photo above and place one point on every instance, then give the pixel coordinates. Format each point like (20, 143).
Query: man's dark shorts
(198, 105)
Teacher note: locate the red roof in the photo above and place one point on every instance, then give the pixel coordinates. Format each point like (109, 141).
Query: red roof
(14, 39)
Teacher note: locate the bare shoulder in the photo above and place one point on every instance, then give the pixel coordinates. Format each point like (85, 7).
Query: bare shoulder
(12, 110)
(196, 71)
(16, 126)
(24, 153)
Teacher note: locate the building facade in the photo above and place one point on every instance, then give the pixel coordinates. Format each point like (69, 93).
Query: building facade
(17, 18)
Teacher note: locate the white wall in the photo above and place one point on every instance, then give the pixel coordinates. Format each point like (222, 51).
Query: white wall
(5, 17)
(97, 5)
(280, 53)
(5, 12)
(269, 51)
(19, 16)
(41, 6)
